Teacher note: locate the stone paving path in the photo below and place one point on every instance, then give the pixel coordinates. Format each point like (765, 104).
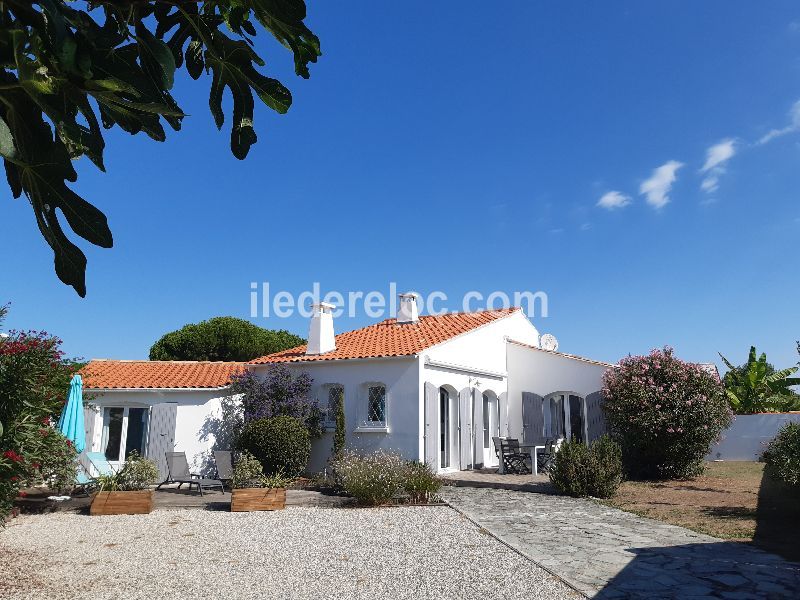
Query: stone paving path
(607, 553)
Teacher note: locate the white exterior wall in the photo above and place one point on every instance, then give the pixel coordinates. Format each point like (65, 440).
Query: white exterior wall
(193, 407)
(748, 435)
(474, 361)
(401, 378)
(540, 372)
(485, 347)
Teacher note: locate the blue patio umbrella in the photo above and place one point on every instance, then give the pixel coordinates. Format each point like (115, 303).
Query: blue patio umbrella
(71, 421)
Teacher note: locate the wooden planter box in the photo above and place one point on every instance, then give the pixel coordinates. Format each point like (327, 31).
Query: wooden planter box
(138, 502)
(247, 499)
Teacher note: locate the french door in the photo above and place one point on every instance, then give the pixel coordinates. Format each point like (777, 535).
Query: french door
(491, 429)
(124, 431)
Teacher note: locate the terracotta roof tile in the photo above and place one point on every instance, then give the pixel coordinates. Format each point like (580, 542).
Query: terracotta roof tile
(145, 374)
(388, 338)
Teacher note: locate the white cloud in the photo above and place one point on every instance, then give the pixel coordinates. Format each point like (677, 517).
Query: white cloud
(794, 125)
(586, 226)
(710, 184)
(719, 154)
(612, 200)
(717, 157)
(657, 188)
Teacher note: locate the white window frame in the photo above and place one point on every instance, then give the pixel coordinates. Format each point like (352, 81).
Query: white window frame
(366, 426)
(329, 421)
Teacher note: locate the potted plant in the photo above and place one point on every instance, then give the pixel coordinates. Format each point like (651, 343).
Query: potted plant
(252, 490)
(126, 491)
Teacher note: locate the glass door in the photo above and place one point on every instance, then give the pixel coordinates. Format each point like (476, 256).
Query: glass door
(444, 429)
(491, 429)
(124, 431)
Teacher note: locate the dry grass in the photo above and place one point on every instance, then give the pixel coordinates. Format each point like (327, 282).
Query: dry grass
(731, 500)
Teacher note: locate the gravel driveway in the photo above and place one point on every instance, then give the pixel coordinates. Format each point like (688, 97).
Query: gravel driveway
(420, 552)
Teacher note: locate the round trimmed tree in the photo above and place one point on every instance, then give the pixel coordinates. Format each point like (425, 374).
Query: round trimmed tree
(281, 444)
(665, 414)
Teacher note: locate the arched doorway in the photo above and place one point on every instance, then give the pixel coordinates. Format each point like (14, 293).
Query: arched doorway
(491, 427)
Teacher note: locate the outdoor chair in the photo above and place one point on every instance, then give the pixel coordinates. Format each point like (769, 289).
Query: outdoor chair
(516, 461)
(546, 457)
(223, 460)
(498, 446)
(98, 464)
(83, 480)
(178, 472)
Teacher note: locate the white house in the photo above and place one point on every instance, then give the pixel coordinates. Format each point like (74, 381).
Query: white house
(439, 388)
(152, 407)
(434, 388)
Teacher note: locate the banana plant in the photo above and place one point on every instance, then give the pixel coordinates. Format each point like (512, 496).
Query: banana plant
(757, 387)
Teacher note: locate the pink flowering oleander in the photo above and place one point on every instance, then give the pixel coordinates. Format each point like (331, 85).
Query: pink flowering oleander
(661, 396)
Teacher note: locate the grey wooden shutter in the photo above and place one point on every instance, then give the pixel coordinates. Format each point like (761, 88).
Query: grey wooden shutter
(431, 432)
(532, 418)
(465, 425)
(88, 425)
(477, 422)
(595, 419)
(161, 438)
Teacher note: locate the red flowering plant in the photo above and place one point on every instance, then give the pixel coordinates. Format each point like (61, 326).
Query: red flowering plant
(34, 380)
(665, 414)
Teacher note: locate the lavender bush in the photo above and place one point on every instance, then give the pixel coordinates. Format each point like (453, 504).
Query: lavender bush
(665, 414)
(279, 394)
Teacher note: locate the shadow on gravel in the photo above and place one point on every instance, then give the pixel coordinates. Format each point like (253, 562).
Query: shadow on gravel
(715, 570)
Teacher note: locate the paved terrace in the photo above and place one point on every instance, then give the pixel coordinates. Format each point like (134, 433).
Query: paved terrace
(607, 553)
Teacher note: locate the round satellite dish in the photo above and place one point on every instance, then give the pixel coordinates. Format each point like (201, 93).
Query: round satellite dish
(549, 342)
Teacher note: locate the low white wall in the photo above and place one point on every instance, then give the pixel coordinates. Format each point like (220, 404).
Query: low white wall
(748, 436)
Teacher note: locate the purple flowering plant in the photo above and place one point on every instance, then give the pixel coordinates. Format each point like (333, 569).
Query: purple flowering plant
(279, 393)
(665, 413)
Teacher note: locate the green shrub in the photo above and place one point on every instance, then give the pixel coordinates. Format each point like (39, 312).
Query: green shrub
(420, 482)
(373, 478)
(281, 444)
(248, 473)
(783, 455)
(59, 466)
(339, 436)
(569, 472)
(665, 414)
(137, 474)
(583, 471)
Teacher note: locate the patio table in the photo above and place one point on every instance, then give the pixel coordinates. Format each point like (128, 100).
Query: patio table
(533, 448)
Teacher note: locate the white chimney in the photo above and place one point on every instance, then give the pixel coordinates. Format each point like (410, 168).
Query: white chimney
(407, 312)
(320, 332)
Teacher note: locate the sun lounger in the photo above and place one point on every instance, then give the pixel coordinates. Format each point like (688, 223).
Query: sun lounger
(178, 472)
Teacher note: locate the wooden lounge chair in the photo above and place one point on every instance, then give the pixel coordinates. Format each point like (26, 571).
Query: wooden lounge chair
(178, 472)
(223, 460)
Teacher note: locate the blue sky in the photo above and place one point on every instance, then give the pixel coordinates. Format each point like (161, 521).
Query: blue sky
(450, 146)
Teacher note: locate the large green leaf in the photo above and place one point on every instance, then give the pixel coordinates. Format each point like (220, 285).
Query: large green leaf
(231, 63)
(60, 65)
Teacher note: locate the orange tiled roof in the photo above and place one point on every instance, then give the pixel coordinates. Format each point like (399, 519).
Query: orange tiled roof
(388, 338)
(157, 374)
